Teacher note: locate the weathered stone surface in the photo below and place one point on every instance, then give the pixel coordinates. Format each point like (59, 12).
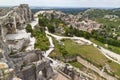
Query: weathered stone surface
(29, 64)
(11, 22)
(13, 39)
(29, 73)
(15, 18)
(46, 70)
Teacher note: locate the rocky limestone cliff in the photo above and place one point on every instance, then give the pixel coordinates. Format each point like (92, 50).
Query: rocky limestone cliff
(16, 62)
(14, 18)
(12, 23)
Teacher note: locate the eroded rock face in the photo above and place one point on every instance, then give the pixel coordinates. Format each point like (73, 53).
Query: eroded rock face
(14, 19)
(28, 66)
(14, 39)
(12, 24)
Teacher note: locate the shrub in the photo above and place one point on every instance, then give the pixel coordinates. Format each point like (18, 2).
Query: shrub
(29, 28)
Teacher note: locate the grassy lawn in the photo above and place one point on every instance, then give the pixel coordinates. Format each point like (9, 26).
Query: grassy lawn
(110, 47)
(87, 52)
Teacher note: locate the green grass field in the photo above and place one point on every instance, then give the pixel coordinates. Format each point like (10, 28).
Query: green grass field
(87, 52)
(110, 47)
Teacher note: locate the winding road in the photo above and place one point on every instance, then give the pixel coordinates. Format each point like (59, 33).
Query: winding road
(107, 53)
(85, 63)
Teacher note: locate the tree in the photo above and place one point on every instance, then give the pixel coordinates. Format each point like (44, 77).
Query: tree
(51, 28)
(42, 22)
(63, 51)
(29, 28)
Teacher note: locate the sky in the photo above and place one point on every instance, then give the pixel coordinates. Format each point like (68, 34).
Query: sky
(63, 3)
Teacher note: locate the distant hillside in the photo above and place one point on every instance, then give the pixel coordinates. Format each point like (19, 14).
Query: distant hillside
(65, 10)
(98, 13)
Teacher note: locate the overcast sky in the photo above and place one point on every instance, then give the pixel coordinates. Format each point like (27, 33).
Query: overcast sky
(63, 3)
